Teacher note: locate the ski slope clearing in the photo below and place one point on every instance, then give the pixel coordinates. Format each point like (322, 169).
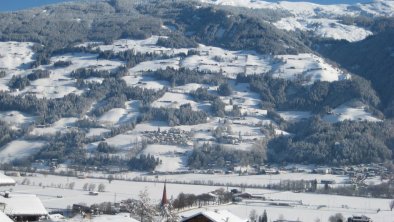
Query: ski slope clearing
(96, 132)
(15, 55)
(146, 82)
(172, 157)
(120, 115)
(112, 116)
(19, 149)
(346, 112)
(16, 119)
(123, 142)
(307, 68)
(61, 125)
(294, 115)
(174, 100)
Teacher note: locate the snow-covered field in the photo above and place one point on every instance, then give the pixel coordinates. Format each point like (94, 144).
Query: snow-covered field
(15, 55)
(16, 119)
(142, 46)
(60, 83)
(345, 112)
(60, 125)
(19, 149)
(307, 68)
(252, 180)
(306, 207)
(171, 157)
(174, 100)
(325, 28)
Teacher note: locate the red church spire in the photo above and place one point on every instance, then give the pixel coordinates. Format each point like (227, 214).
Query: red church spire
(164, 200)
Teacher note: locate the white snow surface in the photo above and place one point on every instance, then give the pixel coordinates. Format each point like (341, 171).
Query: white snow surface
(306, 207)
(62, 124)
(322, 20)
(13, 55)
(220, 215)
(6, 181)
(19, 149)
(346, 112)
(23, 204)
(307, 68)
(16, 118)
(324, 27)
(4, 218)
(376, 7)
(142, 46)
(123, 217)
(171, 161)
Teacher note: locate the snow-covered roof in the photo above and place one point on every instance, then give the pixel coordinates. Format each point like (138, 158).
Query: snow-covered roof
(4, 218)
(6, 181)
(104, 218)
(23, 205)
(218, 216)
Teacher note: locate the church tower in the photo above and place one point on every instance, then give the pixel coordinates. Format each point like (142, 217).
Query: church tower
(164, 199)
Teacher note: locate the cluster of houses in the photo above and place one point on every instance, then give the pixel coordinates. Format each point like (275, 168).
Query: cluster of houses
(172, 136)
(358, 173)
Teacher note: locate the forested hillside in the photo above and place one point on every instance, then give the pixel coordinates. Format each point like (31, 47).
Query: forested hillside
(104, 83)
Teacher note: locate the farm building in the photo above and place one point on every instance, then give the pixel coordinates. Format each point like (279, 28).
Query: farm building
(213, 216)
(6, 180)
(4, 218)
(23, 207)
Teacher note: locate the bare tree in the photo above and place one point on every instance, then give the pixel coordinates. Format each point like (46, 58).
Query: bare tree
(71, 185)
(101, 188)
(391, 204)
(336, 218)
(85, 186)
(110, 178)
(143, 208)
(253, 215)
(92, 187)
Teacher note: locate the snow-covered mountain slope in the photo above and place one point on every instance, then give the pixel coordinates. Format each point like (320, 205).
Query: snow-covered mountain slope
(322, 20)
(13, 55)
(377, 7)
(325, 28)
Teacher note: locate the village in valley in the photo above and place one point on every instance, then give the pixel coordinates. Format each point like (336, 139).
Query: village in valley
(263, 194)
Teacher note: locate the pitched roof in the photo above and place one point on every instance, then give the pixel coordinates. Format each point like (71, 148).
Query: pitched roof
(6, 180)
(4, 218)
(218, 216)
(23, 205)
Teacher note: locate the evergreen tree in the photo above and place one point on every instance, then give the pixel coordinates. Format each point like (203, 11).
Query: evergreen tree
(265, 217)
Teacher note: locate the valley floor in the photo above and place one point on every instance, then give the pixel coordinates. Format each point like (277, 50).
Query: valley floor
(305, 207)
